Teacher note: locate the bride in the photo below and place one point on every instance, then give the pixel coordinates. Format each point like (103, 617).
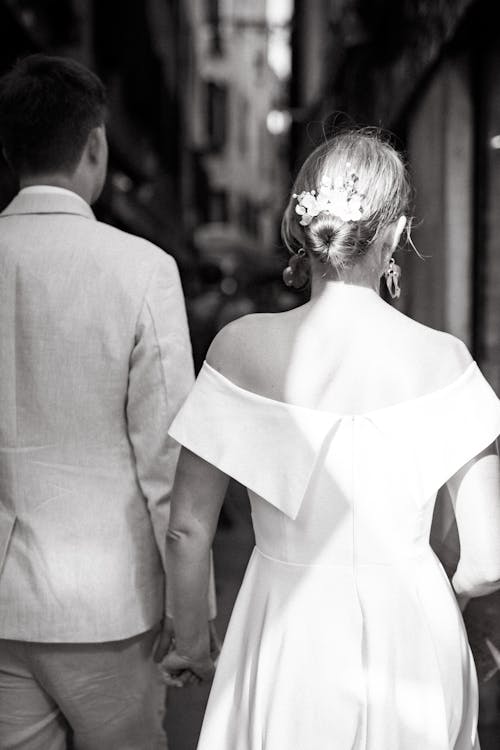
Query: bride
(343, 418)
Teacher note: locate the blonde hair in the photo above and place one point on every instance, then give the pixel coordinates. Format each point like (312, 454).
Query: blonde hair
(382, 181)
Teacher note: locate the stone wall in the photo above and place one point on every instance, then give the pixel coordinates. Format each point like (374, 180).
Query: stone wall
(402, 40)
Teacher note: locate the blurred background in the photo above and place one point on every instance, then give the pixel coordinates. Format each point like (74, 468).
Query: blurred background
(214, 103)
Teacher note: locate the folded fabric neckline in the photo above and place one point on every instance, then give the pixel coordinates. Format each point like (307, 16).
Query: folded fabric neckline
(463, 377)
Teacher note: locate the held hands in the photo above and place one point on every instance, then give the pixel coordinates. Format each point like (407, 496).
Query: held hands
(180, 669)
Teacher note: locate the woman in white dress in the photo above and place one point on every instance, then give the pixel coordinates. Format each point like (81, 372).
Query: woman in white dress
(343, 418)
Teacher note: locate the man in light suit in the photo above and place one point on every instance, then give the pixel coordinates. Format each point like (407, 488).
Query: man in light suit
(95, 360)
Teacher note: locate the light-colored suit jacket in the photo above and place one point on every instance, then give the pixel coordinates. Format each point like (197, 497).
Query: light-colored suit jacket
(95, 361)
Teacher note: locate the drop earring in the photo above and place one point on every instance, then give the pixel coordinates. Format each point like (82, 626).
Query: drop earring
(296, 274)
(392, 277)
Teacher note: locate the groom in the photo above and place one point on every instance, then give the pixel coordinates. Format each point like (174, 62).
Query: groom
(95, 361)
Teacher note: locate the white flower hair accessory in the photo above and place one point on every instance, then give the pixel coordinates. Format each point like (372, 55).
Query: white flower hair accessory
(343, 201)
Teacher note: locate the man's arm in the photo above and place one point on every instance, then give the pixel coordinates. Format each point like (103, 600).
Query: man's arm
(161, 375)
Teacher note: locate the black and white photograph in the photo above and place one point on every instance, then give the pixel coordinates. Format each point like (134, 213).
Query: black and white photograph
(249, 374)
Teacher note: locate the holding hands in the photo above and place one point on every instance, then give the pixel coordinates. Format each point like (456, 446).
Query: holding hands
(182, 664)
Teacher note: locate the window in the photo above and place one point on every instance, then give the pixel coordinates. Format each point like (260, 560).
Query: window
(216, 115)
(218, 210)
(243, 122)
(213, 21)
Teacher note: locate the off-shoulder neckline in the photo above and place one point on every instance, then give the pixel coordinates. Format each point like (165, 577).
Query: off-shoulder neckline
(471, 368)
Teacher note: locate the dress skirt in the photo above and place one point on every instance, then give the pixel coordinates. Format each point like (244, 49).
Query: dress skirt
(343, 657)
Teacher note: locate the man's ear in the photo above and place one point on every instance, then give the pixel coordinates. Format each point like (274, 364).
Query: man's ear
(96, 144)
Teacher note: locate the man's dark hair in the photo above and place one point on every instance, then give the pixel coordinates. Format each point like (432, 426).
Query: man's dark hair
(48, 107)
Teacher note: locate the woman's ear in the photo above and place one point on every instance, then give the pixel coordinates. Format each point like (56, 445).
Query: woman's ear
(392, 236)
(391, 239)
(398, 230)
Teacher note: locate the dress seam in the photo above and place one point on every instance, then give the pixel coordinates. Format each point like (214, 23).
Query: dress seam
(348, 565)
(435, 653)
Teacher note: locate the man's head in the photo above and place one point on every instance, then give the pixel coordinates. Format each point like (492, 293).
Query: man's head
(52, 115)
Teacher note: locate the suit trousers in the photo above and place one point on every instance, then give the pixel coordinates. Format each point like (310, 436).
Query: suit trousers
(105, 696)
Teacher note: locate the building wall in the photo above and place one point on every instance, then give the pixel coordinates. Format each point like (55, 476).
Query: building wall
(234, 90)
(313, 47)
(450, 127)
(439, 287)
(488, 255)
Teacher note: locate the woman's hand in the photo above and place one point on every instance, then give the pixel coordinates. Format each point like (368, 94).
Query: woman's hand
(166, 646)
(180, 669)
(165, 640)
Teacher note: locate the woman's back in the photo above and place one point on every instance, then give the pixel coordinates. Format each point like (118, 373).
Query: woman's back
(346, 351)
(341, 422)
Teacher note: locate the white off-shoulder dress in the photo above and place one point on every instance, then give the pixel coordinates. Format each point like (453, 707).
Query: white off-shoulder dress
(346, 634)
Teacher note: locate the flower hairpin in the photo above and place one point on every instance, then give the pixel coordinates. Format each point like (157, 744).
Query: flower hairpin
(343, 201)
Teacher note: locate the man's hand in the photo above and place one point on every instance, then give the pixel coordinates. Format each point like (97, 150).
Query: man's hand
(183, 670)
(215, 644)
(166, 641)
(178, 670)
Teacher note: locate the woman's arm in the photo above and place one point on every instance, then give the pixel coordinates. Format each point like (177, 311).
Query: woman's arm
(475, 492)
(197, 497)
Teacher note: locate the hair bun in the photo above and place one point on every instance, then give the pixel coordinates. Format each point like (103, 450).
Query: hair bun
(332, 240)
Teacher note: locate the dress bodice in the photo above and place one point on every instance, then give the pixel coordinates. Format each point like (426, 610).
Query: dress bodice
(336, 489)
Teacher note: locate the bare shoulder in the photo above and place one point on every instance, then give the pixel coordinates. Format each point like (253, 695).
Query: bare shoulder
(442, 356)
(450, 350)
(240, 348)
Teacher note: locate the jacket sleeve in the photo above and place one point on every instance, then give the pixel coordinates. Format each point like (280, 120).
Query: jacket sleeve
(160, 377)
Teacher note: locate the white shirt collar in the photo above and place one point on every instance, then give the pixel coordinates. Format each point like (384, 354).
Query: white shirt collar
(50, 189)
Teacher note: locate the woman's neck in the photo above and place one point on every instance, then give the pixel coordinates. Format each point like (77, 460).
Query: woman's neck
(324, 289)
(341, 302)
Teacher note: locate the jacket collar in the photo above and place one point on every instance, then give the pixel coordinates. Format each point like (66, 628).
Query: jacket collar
(48, 203)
